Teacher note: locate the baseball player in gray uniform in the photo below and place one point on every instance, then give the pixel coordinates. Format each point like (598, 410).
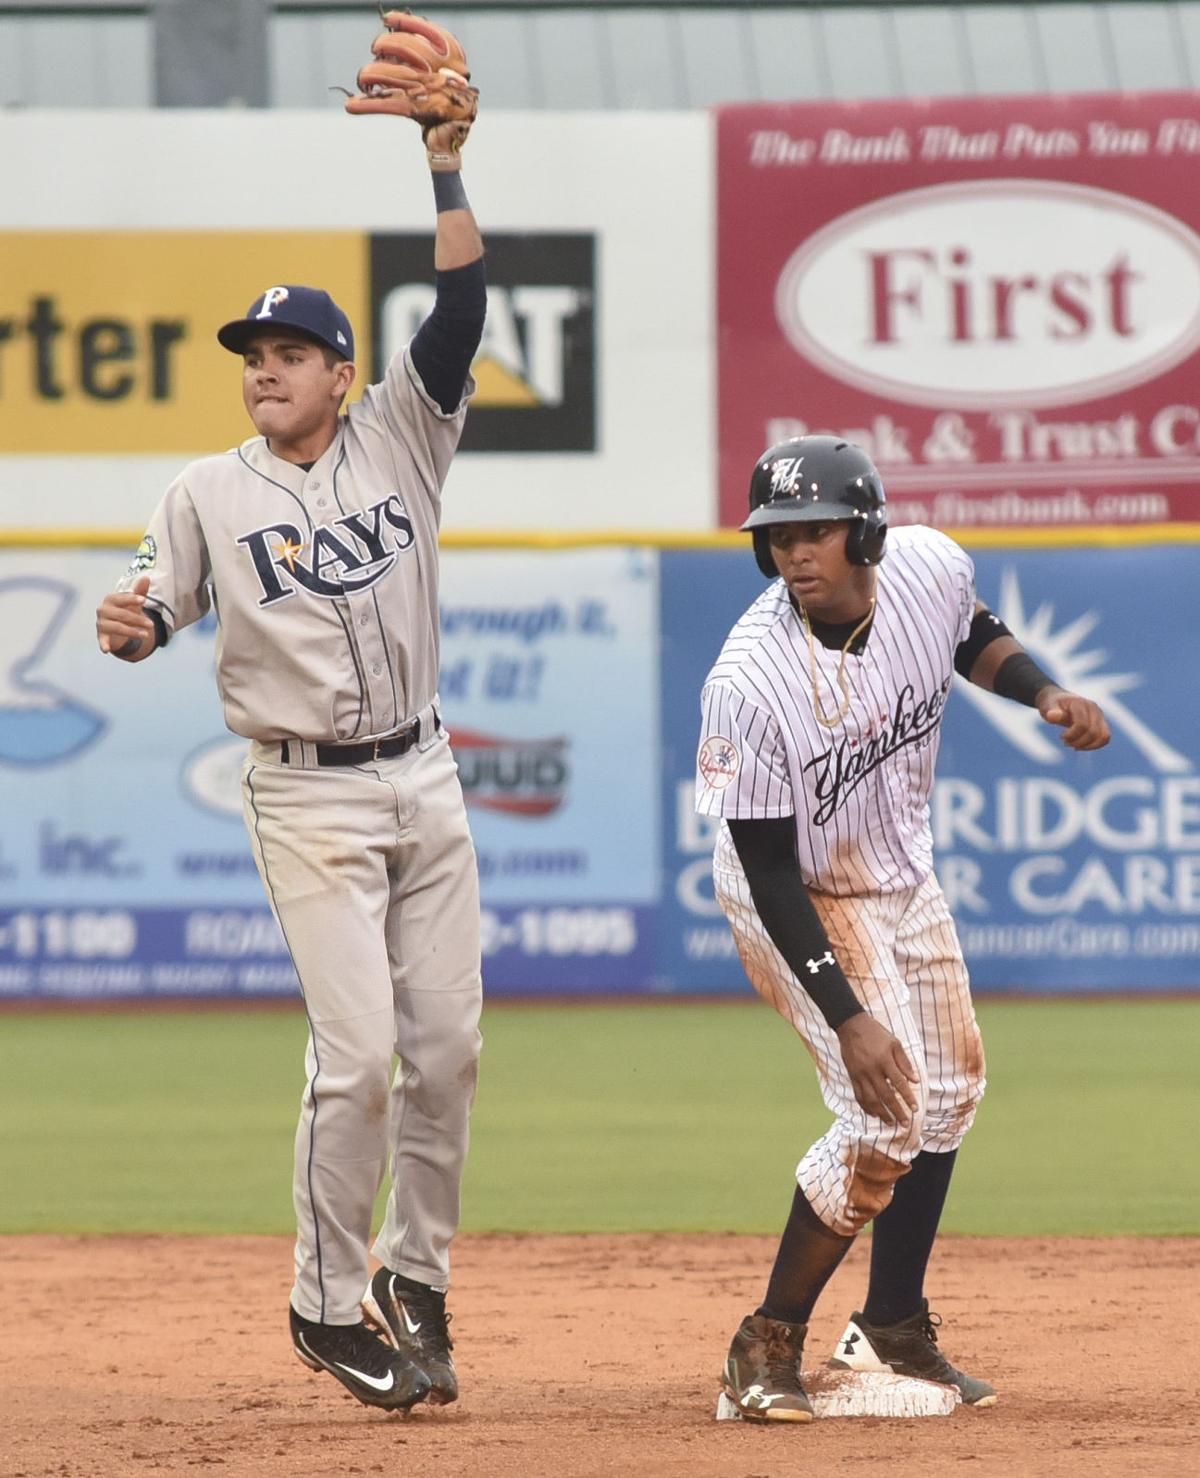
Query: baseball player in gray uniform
(820, 730)
(316, 542)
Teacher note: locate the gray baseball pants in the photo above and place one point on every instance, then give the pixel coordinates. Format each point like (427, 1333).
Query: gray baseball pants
(371, 873)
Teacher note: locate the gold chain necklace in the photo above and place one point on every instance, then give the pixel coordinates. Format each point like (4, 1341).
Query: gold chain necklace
(843, 686)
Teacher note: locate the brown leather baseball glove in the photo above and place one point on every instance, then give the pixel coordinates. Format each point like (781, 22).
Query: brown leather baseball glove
(419, 71)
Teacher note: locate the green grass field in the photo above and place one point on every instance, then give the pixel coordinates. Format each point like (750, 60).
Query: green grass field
(668, 1116)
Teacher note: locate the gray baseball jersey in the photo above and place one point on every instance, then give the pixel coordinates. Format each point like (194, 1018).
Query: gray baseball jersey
(326, 585)
(326, 581)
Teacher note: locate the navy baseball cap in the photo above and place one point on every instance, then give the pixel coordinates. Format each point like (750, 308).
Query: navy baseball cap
(309, 309)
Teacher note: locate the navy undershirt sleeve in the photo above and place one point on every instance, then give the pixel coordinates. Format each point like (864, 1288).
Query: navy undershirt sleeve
(767, 850)
(444, 346)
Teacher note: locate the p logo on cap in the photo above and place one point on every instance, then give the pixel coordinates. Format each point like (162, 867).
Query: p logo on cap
(272, 296)
(308, 310)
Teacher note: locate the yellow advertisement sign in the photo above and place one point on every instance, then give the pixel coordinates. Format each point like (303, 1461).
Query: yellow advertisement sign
(108, 338)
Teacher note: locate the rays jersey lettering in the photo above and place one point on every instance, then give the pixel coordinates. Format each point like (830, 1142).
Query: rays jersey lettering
(348, 554)
(847, 763)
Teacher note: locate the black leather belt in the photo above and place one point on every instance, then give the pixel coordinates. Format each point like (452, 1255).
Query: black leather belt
(365, 754)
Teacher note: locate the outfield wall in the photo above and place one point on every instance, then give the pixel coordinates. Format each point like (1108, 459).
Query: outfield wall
(127, 238)
(571, 677)
(998, 297)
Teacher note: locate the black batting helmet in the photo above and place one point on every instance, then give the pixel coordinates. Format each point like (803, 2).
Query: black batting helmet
(813, 479)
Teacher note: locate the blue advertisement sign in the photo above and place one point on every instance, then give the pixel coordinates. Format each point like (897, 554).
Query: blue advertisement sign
(124, 863)
(703, 594)
(1074, 871)
(550, 686)
(1065, 871)
(571, 683)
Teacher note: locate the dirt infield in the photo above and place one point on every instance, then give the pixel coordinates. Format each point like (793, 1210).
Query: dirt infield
(583, 1356)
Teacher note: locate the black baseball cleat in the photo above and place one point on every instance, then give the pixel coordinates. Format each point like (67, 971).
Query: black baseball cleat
(369, 1369)
(762, 1371)
(413, 1318)
(907, 1348)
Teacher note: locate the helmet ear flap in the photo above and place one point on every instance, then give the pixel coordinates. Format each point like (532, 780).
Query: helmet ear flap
(865, 541)
(762, 552)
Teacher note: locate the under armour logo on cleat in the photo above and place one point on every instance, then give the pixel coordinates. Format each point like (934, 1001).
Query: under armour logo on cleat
(815, 965)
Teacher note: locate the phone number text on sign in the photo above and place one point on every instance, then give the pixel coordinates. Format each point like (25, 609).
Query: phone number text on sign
(83, 934)
(560, 931)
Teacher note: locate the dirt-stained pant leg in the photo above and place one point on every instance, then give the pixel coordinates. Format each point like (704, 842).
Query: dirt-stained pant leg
(929, 957)
(849, 1173)
(321, 838)
(434, 949)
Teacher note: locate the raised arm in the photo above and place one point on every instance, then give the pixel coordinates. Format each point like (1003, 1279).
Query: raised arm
(445, 344)
(419, 71)
(458, 242)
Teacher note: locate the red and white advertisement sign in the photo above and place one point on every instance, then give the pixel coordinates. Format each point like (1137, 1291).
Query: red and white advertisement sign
(997, 298)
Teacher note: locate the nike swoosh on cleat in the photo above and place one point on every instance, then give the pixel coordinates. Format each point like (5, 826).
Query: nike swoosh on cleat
(408, 1323)
(369, 1380)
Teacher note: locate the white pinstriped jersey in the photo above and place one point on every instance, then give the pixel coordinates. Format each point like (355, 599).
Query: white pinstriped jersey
(325, 581)
(859, 791)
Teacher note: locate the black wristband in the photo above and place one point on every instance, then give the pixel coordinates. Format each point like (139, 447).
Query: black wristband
(1021, 679)
(449, 192)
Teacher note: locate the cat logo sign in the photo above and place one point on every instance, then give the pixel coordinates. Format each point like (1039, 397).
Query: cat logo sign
(535, 369)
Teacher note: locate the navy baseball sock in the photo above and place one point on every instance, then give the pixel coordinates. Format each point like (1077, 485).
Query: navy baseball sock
(808, 1257)
(902, 1239)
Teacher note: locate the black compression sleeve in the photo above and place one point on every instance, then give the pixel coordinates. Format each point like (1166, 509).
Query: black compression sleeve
(1021, 679)
(444, 346)
(986, 628)
(767, 850)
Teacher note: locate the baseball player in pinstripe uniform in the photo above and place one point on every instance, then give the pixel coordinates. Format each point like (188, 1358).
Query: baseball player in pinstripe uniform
(317, 543)
(820, 730)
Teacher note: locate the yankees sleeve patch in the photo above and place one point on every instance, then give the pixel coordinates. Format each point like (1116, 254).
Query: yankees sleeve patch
(741, 766)
(718, 763)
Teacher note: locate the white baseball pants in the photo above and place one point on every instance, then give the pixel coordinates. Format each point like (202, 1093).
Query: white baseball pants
(902, 958)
